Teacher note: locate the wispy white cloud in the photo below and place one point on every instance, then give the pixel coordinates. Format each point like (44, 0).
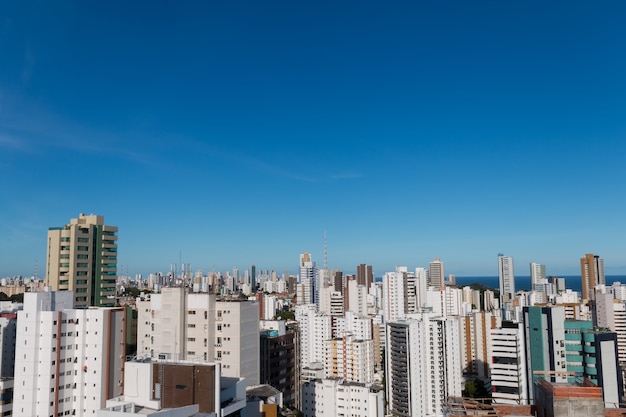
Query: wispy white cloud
(11, 142)
(27, 128)
(346, 176)
(251, 162)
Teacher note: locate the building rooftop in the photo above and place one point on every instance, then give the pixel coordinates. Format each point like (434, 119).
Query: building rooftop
(261, 391)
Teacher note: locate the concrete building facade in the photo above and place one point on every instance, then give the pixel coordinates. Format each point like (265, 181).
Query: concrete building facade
(69, 361)
(177, 325)
(82, 257)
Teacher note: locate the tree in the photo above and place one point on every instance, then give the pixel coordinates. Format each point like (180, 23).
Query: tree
(475, 389)
(17, 298)
(286, 315)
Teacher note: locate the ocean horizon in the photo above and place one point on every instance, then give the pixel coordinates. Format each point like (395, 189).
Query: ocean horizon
(522, 282)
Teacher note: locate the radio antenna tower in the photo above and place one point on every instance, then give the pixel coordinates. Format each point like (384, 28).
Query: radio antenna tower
(326, 277)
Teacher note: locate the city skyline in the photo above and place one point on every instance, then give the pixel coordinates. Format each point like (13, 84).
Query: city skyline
(226, 135)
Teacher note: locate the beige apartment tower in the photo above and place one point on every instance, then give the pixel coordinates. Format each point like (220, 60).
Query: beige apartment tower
(592, 274)
(82, 257)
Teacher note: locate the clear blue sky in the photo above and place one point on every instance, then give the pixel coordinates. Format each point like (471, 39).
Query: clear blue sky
(238, 132)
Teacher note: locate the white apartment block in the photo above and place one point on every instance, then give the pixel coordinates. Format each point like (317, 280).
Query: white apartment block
(423, 364)
(446, 301)
(395, 294)
(177, 325)
(359, 326)
(619, 291)
(336, 302)
(507, 362)
(337, 398)
(305, 292)
(356, 298)
(350, 359)
(69, 361)
(619, 314)
(275, 286)
(315, 329)
(323, 301)
(610, 313)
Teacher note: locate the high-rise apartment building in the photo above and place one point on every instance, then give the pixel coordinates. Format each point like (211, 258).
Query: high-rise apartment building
(69, 361)
(176, 325)
(307, 279)
(82, 257)
(279, 359)
(507, 364)
(538, 281)
(423, 364)
(544, 332)
(592, 353)
(364, 275)
(401, 294)
(314, 329)
(253, 277)
(350, 359)
(592, 274)
(507, 283)
(475, 337)
(436, 273)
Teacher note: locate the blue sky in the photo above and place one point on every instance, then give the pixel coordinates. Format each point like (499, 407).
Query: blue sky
(239, 132)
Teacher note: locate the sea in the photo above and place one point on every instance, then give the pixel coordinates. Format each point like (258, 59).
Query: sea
(572, 282)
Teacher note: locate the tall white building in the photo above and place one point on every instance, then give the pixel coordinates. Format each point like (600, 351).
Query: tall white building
(356, 297)
(507, 283)
(611, 314)
(196, 326)
(445, 301)
(423, 364)
(357, 325)
(69, 361)
(507, 362)
(308, 275)
(421, 283)
(538, 281)
(399, 294)
(315, 329)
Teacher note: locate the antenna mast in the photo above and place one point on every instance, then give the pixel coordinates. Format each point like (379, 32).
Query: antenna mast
(326, 259)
